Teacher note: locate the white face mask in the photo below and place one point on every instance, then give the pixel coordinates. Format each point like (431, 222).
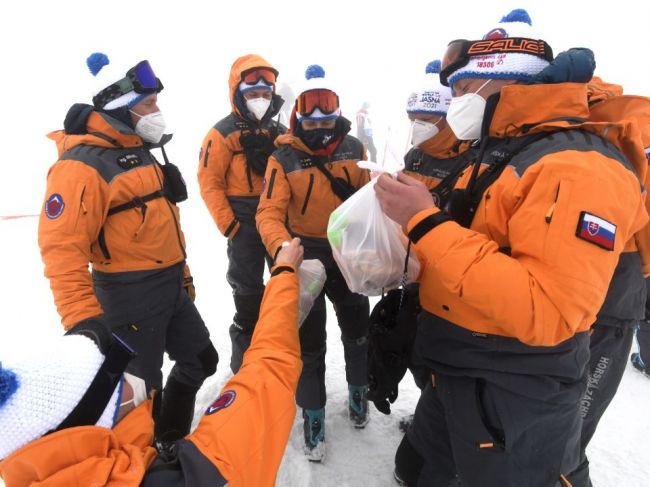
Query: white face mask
(139, 390)
(465, 114)
(422, 131)
(258, 107)
(150, 127)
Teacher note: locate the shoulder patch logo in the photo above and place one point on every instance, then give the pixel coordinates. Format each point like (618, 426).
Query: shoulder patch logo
(223, 401)
(597, 231)
(54, 206)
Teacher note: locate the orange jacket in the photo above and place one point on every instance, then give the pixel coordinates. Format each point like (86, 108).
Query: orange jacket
(224, 177)
(298, 198)
(86, 455)
(434, 159)
(75, 229)
(245, 440)
(552, 284)
(608, 104)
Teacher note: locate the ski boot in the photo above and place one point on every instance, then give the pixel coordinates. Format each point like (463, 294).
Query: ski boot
(314, 429)
(358, 406)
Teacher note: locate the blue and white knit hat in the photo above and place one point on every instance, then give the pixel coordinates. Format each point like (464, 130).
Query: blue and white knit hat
(511, 66)
(105, 74)
(260, 85)
(38, 390)
(433, 98)
(315, 80)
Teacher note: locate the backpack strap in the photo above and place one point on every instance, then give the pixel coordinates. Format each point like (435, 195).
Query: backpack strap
(137, 202)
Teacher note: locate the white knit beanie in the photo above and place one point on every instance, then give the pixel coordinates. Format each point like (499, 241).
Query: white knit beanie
(315, 80)
(40, 389)
(105, 74)
(432, 98)
(511, 66)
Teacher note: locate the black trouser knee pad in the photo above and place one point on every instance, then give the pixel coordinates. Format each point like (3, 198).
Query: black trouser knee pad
(408, 462)
(209, 359)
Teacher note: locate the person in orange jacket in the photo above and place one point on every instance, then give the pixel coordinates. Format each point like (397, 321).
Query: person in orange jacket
(232, 163)
(624, 309)
(69, 417)
(437, 155)
(313, 170)
(515, 267)
(110, 203)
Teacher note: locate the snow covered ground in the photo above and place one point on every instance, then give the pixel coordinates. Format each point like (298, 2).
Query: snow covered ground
(619, 452)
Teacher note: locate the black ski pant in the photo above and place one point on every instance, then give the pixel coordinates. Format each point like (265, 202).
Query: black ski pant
(152, 312)
(246, 258)
(352, 312)
(469, 431)
(609, 349)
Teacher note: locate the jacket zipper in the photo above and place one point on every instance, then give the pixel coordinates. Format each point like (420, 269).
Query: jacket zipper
(176, 225)
(207, 153)
(309, 188)
(549, 214)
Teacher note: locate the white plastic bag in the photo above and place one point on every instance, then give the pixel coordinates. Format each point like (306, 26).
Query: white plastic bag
(369, 247)
(311, 275)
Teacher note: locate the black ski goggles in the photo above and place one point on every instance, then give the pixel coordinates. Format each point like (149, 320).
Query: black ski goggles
(140, 78)
(459, 52)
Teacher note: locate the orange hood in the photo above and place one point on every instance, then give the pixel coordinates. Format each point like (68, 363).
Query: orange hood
(598, 90)
(241, 64)
(529, 109)
(111, 134)
(293, 141)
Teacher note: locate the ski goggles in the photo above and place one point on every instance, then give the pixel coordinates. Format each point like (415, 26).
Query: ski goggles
(325, 100)
(140, 78)
(459, 52)
(253, 76)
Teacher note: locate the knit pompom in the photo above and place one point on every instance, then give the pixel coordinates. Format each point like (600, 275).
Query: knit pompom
(517, 15)
(314, 71)
(8, 384)
(96, 61)
(433, 67)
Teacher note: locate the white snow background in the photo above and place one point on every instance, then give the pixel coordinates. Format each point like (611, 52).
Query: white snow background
(371, 51)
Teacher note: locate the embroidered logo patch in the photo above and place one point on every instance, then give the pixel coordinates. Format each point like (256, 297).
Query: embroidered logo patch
(596, 230)
(223, 401)
(127, 161)
(54, 206)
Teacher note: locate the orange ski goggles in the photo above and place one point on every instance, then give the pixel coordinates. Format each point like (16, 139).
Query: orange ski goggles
(325, 100)
(253, 76)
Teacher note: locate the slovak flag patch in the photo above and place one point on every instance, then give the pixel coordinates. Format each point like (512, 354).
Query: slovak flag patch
(54, 206)
(596, 230)
(223, 401)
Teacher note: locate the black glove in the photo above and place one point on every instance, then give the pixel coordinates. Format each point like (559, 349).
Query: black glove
(95, 329)
(391, 335)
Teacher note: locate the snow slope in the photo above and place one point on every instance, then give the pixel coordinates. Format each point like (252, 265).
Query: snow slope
(618, 453)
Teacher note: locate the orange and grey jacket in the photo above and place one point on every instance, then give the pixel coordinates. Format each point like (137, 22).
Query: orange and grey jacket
(225, 446)
(624, 304)
(298, 198)
(103, 165)
(435, 159)
(531, 272)
(230, 189)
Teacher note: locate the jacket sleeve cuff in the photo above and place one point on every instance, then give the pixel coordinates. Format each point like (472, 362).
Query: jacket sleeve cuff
(282, 267)
(425, 221)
